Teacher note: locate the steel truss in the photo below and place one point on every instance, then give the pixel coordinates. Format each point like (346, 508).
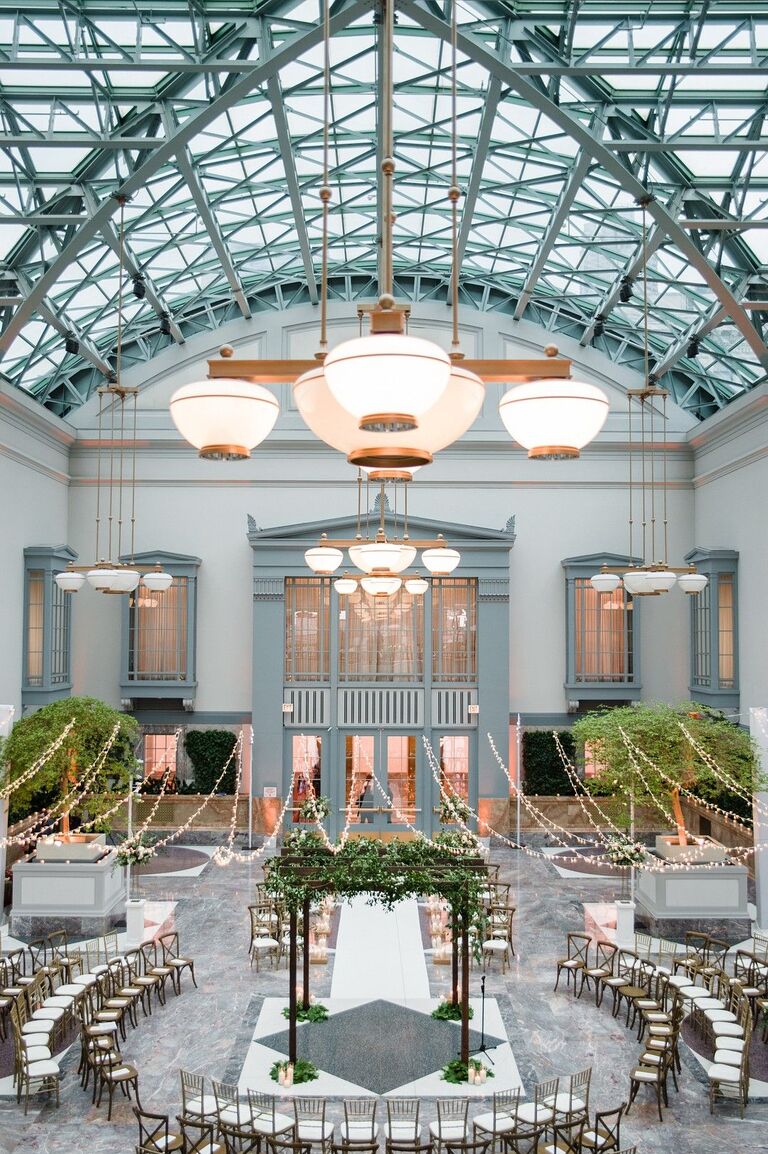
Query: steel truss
(210, 120)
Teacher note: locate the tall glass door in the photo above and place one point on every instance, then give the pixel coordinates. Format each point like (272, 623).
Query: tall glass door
(380, 782)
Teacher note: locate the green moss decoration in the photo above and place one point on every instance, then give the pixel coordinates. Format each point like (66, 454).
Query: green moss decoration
(450, 1012)
(208, 750)
(313, 1013)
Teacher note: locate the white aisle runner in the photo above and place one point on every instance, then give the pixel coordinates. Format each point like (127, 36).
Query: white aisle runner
(379, 953)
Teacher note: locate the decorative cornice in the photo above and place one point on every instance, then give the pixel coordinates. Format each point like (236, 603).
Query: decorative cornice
(493, 589)
(268, 589)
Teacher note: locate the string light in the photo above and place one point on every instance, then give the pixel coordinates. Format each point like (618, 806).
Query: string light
(36, 766)
(236, 748)
(578, 786)
(64, 806)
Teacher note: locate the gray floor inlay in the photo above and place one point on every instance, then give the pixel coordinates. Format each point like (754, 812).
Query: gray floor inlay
(379, 1045)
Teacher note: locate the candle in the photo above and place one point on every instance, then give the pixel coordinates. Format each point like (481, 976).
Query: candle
(289, 1075)
(281, 1076)
(483, 1074)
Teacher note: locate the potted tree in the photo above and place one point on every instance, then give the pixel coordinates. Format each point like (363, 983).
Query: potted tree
(657, 752)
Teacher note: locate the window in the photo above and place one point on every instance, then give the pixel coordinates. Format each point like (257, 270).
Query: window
(454, 629)
(307, 628)
(159, 633)
(160, 754)
(601, 634)
(47, 626)
(307, 751)
(381, 638)
(714, 647)
(454, 766)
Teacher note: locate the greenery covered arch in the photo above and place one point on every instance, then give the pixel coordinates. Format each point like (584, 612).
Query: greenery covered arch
(387, 872)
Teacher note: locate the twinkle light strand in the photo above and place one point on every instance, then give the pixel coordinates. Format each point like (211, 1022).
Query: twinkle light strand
(580, 792)
(236, 748)
(63, 807)
(722, 776)
(743, 826)
(36, 766)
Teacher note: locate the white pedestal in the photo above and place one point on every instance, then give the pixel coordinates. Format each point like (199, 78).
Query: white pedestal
(625, 924)
(134, 922)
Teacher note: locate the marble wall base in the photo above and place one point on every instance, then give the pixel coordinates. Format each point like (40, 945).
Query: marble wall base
(731, 930)
(28, 928)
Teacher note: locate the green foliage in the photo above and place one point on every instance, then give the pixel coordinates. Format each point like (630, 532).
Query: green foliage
(313, 1013)
(94, 721)
(655, 729)
(449, 1012)
(457, 1071)
(388, 872)
(303, 1071)
(543, 771)
(314, 809)
(208, 750)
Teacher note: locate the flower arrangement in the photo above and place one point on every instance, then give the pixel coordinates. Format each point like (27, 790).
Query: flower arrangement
(458, 1072)
(293, 1073)
(314, 809)
(134, 851)
(622, 851)
(454, 809)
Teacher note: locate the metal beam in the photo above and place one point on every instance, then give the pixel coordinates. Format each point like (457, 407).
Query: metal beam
(133, 267)
(632, 268)
(275, 92)
(716, 224)
(607, 67)
(689, 144)
(58, 319)
(77, 140)
(711, 319)
(490, 105)
(549, 239)
(270, 65)
(211, 226)
(477, 51)
(43, 219)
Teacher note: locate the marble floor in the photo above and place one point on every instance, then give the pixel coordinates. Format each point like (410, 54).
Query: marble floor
(210, 1030)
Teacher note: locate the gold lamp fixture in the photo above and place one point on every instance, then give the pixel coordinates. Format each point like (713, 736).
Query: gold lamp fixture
(654, 575)
(386, 399)
(109, 574)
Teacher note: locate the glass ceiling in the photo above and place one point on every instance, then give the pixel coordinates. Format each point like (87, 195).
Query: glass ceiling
(210, 116)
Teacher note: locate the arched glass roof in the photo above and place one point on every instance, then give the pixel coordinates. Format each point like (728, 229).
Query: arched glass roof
(209, 116)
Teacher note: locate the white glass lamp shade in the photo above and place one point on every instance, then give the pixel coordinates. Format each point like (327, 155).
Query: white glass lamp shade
(440, 426)
(387, 380)
(391, 556)
(323, 559)
(605, 582)
(416, 585)
(636, 582)
(345, 585)
(106, 579)
(440, 561)
(69, 581)
(661, 580)
(692, 582)
(381, 586)
(157, 580)
(225, 418)
(554, 419)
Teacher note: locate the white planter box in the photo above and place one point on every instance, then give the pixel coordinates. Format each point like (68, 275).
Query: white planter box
(699, 851)
(84, 847)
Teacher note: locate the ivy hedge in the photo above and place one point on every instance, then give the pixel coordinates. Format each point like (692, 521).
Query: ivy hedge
(208, 749)
(543, 771)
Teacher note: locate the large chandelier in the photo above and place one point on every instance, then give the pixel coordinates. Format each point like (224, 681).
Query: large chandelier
(653, 575)
(387, 399)
(114, 496)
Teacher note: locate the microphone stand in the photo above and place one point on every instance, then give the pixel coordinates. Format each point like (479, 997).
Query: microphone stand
(482, 1048)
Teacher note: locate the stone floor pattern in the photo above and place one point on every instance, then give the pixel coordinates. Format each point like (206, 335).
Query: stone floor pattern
(211, 1029)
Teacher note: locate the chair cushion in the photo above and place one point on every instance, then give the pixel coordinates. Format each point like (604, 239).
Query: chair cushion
(728, 1057)
(43, 1027)
(496, 944)
(51, 1014)
(721, 1073)
(71, 990)
(57, 1002)
(719, 1016)
(645, 1075)
(563, 1102)
(736, 1044)
(571, 963)
(727, 1029)
(504, 1122)
(358, 1131)
(447, 1131)
(37, 1053)
(314, 1131)
(530, 1112)
(44, 1069)
(400, 1131)
(593, 1139)
(262, 1123)
(232, 1116)
(205, 1105)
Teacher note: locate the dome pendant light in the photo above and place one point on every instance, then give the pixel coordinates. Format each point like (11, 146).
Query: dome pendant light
(224, 419)
(554, 419)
